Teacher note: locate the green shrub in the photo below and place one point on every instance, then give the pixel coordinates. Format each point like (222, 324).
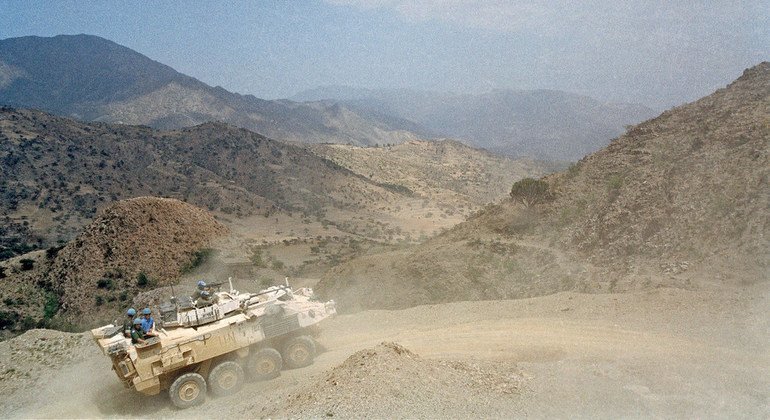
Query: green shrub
(51, 306)
(99, 301)
(278, 265)
(530, 191)
(398, 188)
(614, 182)
(256, 258)
(198, 258)
(104, 284)
(52, 252)
(27, 264)
(142, 280)
(8, 319)
(27, 323)
(573, 169)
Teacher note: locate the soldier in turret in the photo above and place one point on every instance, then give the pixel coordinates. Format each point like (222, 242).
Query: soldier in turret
(202, 287)
(204, 295)
(128, 322)
(137, 335)
(148, 323)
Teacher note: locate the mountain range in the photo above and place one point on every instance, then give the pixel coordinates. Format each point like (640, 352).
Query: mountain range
(544, 124)
(94, 79)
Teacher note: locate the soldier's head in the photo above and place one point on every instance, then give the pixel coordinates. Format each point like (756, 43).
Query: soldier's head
(131, 312)
(201, 284)
(146, 312)
(138, 323)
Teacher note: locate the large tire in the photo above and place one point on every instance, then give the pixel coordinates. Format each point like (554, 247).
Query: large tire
(265, 364)
(298, 352)
(226, 378)
(188, 390)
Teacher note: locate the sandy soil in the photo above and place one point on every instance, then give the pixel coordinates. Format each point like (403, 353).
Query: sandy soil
(660, 353)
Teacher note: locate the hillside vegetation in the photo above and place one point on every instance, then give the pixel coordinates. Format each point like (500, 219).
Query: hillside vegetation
(57, 173)
(132, 247)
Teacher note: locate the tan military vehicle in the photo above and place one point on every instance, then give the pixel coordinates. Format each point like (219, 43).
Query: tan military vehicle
(213, 345)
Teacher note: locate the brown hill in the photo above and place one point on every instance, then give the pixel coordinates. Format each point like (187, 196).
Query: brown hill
(132, 246)
(680, 200)
(436, 168)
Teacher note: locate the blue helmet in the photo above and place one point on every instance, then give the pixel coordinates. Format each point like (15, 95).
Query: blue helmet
(201, 284)
(146, 311)
(204, 294)
(138, 321)
(131, 312)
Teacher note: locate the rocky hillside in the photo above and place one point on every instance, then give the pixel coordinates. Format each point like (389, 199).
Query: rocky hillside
(680, 200)
(57, 173)
(132, 246)
(545, 124)
(93, 79)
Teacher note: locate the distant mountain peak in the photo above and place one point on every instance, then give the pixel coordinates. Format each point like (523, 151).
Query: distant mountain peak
(759, 72)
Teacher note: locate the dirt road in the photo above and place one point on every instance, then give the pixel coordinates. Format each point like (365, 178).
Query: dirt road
(662, 353)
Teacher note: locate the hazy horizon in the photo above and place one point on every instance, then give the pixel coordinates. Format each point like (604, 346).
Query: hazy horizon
(654, 53)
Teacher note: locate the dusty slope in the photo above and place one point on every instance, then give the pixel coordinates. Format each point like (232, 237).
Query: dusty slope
(662, 353)
(404, 385)
(681, 200)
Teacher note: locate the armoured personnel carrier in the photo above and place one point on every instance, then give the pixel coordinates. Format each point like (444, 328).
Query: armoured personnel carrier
(214, 345)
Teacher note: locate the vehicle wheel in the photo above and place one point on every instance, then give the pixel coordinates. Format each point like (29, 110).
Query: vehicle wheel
(188, 390)
(226, 378)
(298, 352)
(265, 364)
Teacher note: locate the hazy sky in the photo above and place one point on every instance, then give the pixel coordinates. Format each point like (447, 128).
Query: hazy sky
(660, 53)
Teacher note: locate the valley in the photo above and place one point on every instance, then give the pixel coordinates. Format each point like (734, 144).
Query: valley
(614, 268)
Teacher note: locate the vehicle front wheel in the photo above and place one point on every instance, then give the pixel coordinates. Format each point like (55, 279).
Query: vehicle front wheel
(188, 390)
(298, 352)
(265, 364)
